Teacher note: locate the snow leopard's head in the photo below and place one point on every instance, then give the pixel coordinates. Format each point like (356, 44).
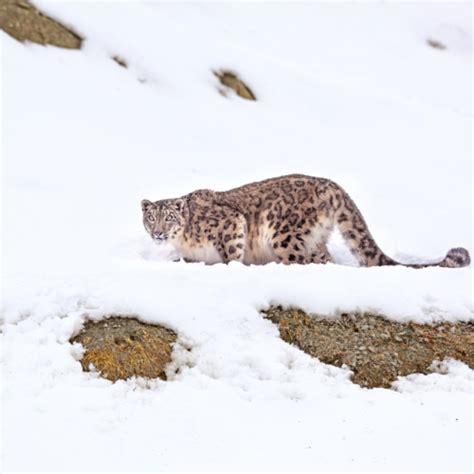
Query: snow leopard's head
(163, 219)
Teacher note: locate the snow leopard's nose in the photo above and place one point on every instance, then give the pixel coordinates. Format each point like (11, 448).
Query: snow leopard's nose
(158, 235)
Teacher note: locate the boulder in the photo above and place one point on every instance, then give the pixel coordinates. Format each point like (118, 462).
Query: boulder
(121, 347)
(20, 19)
(230, 80)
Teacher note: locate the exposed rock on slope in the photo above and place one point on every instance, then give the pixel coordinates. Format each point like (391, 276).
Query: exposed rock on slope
(230, 80)
(376, 349)
(122, 347)
(20, 19)
(435, 44)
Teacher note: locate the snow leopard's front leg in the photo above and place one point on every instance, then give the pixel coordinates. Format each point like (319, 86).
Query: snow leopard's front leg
(231, 237)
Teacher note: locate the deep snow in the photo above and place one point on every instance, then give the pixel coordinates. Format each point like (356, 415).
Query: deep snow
(351, 92)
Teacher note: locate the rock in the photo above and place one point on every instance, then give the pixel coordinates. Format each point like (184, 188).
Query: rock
(435, 44)
(378, 355)
(120, 61)
(230, 80)
(20, 19)
(121, 347)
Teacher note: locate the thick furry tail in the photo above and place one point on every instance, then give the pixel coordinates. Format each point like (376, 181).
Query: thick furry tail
(363, 246)
(455, 258)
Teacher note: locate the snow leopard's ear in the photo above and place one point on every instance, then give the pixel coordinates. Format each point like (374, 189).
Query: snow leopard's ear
(146, 204)
(178, 205)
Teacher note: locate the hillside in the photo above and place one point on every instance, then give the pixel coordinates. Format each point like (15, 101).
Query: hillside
(376, 97)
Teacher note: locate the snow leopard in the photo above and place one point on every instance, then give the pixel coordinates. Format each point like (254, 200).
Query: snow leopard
(286, 219)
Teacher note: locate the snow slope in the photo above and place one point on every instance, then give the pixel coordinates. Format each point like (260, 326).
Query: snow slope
(346, 91)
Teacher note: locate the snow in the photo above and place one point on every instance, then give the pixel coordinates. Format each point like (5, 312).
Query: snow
(350, 92)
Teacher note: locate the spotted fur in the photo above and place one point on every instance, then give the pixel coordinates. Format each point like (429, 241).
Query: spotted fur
(286, 219)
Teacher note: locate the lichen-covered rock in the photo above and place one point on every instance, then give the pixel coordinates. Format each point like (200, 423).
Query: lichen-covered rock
(20, 19)
(376, 349)
(230, 80)
(122, 347)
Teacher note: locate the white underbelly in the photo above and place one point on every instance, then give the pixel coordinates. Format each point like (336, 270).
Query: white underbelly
(203, 253)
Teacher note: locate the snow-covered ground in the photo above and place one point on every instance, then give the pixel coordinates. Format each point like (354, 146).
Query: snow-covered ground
(347, 91)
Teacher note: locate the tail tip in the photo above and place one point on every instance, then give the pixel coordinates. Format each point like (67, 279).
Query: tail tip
(457, 257)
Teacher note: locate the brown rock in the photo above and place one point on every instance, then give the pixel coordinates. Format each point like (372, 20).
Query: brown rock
(120, 61)
(121, 347)
(230, 80)
(376, 349)
(435, 44)
(20, 19)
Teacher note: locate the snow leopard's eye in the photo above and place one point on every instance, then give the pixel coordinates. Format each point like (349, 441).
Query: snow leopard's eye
(169, 218)
(151, 217)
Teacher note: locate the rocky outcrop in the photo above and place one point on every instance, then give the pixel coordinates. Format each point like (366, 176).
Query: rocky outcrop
(20, 19)
(375, 349)
(230, 80)
(121, 347)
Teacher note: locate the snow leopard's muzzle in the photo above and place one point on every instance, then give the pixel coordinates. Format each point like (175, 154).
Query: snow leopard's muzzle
(160, 236)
